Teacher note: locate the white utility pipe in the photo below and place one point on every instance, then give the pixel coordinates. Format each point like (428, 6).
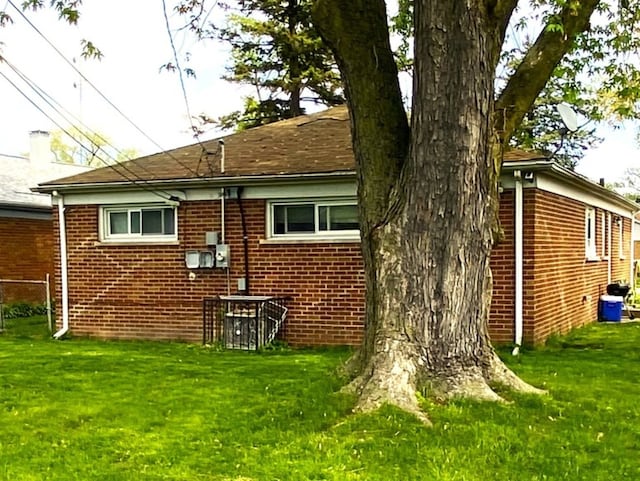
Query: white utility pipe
(63, 268)
(222, 192)
(609, 249)
(632, 251)
(48, 293)
(518, 240)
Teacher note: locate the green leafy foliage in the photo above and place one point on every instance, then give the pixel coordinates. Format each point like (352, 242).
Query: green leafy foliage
(68, 10)
(630, 185)
(23, 309)
(600, 78)
(276, 50)
(84, 147)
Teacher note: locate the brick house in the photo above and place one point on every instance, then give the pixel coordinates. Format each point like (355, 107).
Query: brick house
(288, 189)
(26, 225)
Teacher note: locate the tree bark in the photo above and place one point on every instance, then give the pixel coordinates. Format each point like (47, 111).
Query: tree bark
(427, 195)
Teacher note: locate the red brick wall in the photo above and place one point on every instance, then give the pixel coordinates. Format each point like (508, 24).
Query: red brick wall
(502, 315)
(135, 291)
(562, 288)
(26, 253)
(139, 291)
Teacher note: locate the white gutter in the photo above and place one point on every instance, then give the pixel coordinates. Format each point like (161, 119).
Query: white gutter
(63, 268)
(246, 180)
(518, 240)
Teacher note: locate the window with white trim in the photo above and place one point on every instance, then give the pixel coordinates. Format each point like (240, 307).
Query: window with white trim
(603, 230)
(313, 219)
(145, 223)
(620, 221)
(590, 233)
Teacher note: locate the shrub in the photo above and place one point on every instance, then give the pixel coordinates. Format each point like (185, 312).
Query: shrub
(23, 309)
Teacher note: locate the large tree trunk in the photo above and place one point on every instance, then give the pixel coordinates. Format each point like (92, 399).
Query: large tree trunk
(428, 200)
(428, 193)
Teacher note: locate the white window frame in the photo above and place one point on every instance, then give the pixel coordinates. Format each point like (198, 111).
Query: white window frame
(621, 237)
(590, 234)
(603, 229)
(317, 234)
(105, 231)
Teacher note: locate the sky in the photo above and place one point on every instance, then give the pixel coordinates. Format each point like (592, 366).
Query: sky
(133, 38)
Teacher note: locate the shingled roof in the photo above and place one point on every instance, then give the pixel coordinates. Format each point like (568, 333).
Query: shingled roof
(316, 143)
(310, 144)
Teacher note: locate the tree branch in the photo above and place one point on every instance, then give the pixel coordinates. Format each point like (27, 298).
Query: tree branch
(538, 65)
(501, 11)
(357, 33)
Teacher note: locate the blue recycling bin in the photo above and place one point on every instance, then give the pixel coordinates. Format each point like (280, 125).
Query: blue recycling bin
(611, 308)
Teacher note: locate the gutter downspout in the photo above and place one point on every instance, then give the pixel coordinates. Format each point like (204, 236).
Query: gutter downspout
(63, 268)
(518, 322)
(609, 249)
(223, 194)
(632, 252)
(245, 242)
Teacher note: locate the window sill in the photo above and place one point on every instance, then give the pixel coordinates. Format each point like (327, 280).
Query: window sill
(594, 259)
(319, 240)
(121, 242)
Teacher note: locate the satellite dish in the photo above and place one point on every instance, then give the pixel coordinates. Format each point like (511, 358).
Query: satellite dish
(568, 116)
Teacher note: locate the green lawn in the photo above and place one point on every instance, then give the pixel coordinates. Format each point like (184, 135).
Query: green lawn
(90, 410)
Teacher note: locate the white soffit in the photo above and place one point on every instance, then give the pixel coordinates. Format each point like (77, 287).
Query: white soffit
(551, 184)
(275, 191)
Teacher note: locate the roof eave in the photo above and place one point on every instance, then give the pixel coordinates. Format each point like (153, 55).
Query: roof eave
(572, 178)
(24, 207)
(244, 180)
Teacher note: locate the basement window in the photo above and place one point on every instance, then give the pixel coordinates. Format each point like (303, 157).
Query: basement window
(313, 219)
(138, 223)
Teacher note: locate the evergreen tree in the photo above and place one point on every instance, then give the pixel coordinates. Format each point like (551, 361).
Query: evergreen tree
(276, 50)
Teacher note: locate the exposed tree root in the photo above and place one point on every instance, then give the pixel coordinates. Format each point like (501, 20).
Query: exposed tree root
(389, 379)
(393, 379)
(497, 372)
(469, 383)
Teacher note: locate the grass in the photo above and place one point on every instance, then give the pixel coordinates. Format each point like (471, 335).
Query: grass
(91, 410)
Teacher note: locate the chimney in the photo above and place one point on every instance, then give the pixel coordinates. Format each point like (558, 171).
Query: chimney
(40, 154)
(601, 181)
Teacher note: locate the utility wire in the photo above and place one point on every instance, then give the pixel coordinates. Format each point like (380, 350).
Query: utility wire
(181, 77)
(111, 166)
(41, 93)
(57, 107)
(131, 122)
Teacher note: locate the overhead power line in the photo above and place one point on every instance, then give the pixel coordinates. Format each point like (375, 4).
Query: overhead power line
(103, 96)
(185, 97)
(141, 183)
(57, 107)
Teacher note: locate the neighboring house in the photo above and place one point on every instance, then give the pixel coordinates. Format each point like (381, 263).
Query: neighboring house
(26, 225)
(291, 187)
(636, 236)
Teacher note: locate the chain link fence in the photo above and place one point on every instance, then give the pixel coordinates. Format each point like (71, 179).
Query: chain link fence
(23, 292)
